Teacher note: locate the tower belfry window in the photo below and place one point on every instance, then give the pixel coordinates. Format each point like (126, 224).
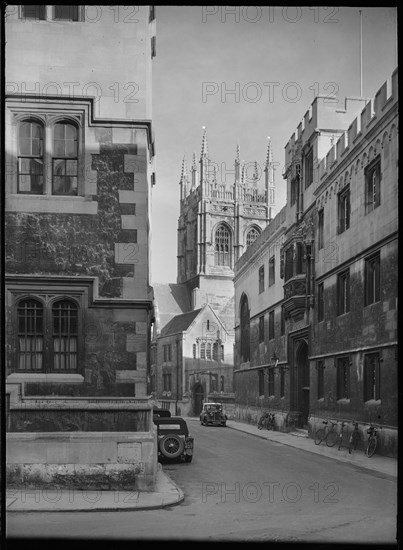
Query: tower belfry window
(251, 236)
(222, 246)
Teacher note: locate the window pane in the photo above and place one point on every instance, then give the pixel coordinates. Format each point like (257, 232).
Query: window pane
(71, 148)
(25, 130)
(33, 12)
(59, 131)
(36, 147)
(71, 132)
(59, 148)
(36, 167)
(69, 13)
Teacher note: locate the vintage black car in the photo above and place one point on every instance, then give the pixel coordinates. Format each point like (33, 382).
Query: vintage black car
(174, 441)
(212, 413)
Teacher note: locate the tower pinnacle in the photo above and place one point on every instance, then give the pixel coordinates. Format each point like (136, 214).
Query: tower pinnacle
(204, 147)
(269, 157)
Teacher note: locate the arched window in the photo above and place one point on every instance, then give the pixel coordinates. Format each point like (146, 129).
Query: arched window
(65, 159)
(251, 236)
(208, 351)
(30, 158)
(245, 329)
(65, 334)
(222, 383)
(222, 246)
(215, 351)
(30, 335)
(202, 350)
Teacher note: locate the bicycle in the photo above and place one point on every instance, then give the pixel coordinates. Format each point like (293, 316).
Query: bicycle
(270, 424)
(341, 435)
(330, 435)
(354, 437)
(372, 440)
(266, 421)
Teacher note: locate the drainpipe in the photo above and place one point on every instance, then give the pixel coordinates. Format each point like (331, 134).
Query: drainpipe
(177, 377)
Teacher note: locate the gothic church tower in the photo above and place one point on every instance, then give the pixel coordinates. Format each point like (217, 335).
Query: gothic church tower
(218, 220)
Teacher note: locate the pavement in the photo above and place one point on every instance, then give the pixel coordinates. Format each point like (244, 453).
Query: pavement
(167, 493)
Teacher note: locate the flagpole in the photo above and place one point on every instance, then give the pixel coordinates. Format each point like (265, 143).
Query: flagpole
(360, 53)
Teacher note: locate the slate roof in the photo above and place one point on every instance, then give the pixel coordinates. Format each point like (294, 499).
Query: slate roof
(170, 300)
(180, 323)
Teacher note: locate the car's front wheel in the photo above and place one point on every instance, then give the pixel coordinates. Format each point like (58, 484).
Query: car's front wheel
(171, 446)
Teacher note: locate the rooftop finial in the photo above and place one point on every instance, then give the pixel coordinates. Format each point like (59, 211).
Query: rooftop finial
(204, 149)
(237, 154)
(255, 171)
(184, 169)
(269, 157)
(243, 172)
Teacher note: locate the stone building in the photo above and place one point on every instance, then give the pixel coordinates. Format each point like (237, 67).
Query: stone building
(79, 159)
(321, 341)
(217, 222)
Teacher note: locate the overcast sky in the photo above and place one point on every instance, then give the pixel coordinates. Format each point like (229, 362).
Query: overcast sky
(276, 60)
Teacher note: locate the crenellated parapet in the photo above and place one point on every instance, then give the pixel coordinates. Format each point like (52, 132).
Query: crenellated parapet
(361, 127)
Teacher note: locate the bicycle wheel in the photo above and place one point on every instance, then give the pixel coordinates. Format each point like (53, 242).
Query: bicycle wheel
(260, 422)
(369, 451)
(332, 438)
(319, 436)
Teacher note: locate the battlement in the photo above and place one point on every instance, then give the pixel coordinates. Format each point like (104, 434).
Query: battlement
(373, 111)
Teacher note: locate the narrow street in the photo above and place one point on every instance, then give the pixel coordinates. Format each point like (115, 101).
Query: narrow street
(243, 488)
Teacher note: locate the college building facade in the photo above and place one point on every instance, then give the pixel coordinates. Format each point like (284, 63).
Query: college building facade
(316, 294)
(80, 168)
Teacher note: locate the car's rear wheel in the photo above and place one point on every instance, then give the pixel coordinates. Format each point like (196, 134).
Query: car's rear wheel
(171, 446)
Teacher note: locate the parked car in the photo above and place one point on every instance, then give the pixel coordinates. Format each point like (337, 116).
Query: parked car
(212, 413)
(174, 440)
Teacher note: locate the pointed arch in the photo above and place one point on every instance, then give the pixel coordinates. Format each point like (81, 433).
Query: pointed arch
(252, 233)
(223, 245)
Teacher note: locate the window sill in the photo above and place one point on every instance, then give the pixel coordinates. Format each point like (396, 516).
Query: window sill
(19, 377)
(51, 203)
(373, 402)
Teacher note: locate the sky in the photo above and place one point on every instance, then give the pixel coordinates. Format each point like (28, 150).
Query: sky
(246, 73)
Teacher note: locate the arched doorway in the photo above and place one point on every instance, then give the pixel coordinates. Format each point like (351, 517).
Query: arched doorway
(198, 396)
(303, 380)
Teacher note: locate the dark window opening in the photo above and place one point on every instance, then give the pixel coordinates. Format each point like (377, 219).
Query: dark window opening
(343, 378)
(372, 376)
(343, 292)
(344, 210)
(372, 279)
(373, 186)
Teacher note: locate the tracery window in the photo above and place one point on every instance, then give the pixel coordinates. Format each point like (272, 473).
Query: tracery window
(251, 236)
(222, 246)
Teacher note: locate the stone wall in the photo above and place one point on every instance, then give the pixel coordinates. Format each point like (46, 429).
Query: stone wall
(86, 460)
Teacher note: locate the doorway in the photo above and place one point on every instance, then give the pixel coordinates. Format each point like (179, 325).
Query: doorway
(303, 381)
(198, 396)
